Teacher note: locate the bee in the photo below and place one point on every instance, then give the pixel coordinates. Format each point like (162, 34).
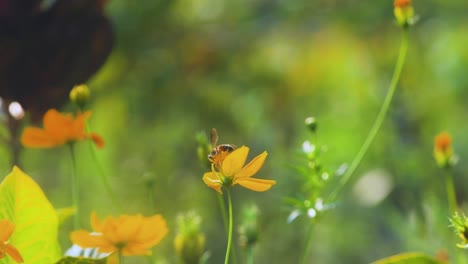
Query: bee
(219, 152)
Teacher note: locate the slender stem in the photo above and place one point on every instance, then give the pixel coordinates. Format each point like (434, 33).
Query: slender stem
(151, 197)
(380, 117)
(452, 200)
(222, 207)
(307, 245)
(103, 175)
(229, 244)
(120, 256)
(250, 255)
(75, 189)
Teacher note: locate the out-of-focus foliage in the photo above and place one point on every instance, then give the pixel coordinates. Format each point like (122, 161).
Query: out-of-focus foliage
(36, 223)
(254, 70)
(414, 258)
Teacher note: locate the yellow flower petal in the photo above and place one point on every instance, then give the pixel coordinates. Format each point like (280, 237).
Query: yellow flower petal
(253, 167)
(6, 228)
(152, 231)
(96, 223)
(233, 163)
(258, 185)
(87, 240)
(213, 181)
(128, 227)
(135, 250)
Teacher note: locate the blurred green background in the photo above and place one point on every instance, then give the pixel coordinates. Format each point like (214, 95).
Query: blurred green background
(254, 69)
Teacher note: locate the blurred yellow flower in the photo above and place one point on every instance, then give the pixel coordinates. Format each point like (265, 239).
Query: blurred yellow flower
(59, 129)
(6, 229)
(443, 150)
(232, 172)
(130, 234)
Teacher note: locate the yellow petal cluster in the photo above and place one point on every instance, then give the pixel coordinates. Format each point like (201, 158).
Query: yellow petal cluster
(129, 234)
(232, 171)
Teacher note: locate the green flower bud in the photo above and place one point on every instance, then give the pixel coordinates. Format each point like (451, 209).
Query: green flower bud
(80, 95)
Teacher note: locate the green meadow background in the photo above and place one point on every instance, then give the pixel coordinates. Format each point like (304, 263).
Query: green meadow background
(255, 69)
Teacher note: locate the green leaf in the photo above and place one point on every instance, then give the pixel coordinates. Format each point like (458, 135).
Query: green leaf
(23, 202)
(72, 260)
(409, 258)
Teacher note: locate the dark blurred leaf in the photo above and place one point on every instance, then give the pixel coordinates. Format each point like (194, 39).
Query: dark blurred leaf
(45, 53)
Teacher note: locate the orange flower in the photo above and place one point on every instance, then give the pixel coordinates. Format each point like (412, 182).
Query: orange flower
(6, 229)
(402, 3)
(59, 129)
(232, 172)
(130, 234)
(404, 12)
(443, 150)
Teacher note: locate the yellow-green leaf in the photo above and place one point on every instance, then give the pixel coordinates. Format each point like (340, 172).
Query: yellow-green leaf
(409, 258)
(65, 213)
(23, 202)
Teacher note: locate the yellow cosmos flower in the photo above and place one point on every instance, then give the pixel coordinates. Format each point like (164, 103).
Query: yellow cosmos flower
(232, 172)
(6, 229)
(130, 234)
(59, 129)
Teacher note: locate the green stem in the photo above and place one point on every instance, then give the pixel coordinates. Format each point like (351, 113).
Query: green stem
(104, 177)
(226, 223)
(307, 245)
(75, 189)
(379, 120)
(120, 256)
(222, 207)
(452, 200)
(250, 255)
(229, 244)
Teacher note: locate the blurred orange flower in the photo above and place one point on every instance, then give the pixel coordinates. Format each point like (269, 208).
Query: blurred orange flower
(59, 129)
(6, 229)
(130, 234)
(443, 150)
(402, 3)
(404, 12)
(232, 172)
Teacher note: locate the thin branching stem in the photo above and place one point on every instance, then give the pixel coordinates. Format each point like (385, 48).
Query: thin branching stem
(378, 121)
(308, 244)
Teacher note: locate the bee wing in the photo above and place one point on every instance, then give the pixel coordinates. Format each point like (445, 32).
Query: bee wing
(214, 137)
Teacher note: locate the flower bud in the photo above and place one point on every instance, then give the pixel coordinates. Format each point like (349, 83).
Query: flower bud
(189, 243)
(311, 124)
(443, 151)
(404, 13)
(80, 95)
